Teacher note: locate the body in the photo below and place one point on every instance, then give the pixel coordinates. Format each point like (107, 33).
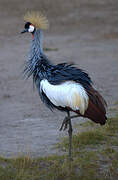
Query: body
(62, 86)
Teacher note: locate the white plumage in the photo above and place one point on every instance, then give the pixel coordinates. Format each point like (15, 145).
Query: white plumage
(68, 94)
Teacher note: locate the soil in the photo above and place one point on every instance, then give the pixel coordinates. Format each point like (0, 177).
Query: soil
(83, 32)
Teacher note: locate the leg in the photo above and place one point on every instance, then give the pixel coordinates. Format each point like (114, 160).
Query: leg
(70, 135)
(66, 122)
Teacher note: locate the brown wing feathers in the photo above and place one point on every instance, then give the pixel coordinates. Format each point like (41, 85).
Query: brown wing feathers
(96, 110)
(97, 107)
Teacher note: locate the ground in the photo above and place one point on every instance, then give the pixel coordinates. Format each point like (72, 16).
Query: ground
(85, 33)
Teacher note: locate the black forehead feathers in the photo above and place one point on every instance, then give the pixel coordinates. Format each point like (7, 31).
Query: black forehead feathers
(27, 24)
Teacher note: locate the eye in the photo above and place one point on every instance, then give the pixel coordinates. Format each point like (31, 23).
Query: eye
(31, 28)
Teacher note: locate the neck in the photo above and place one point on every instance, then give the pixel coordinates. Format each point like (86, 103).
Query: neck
(36, 54)
(37, 43)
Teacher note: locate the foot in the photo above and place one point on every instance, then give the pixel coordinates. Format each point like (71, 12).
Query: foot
(64, 124)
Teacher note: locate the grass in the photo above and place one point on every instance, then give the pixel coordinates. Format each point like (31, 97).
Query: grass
(84, 139)
(95, 157)
(112, 125)
(50, 49)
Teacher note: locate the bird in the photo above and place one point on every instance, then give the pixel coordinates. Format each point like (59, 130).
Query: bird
(63, 86)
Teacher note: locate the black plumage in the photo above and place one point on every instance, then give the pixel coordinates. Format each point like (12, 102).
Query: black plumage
(55, 74)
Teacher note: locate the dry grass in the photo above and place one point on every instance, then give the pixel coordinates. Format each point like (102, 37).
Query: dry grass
(95, 157)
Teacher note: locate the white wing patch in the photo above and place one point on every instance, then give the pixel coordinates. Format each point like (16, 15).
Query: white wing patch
(68, 94)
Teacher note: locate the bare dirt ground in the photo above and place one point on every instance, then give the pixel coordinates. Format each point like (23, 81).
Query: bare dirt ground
(84, 32)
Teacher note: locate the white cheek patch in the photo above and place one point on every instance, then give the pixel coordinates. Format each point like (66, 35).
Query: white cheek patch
(31, 28)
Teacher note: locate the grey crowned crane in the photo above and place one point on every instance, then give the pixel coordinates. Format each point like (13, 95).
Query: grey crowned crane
(62, 86)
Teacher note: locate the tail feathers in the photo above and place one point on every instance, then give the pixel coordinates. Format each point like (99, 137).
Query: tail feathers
(97, 99)
(95, 114)
(96, 110)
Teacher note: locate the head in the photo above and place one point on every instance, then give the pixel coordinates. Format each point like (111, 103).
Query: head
(29, 27)
(34, 20)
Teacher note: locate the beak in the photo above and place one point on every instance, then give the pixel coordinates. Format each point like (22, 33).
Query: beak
(24, 31)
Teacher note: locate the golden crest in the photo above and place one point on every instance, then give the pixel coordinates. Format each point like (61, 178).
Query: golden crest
(37, 19)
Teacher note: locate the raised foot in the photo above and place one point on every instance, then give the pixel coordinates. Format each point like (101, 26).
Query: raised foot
(64, 124)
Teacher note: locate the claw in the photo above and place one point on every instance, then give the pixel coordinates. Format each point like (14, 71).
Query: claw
(64, 124)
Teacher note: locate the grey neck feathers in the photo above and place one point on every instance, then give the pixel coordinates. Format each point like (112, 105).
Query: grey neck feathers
(36, 53)
(37, 44)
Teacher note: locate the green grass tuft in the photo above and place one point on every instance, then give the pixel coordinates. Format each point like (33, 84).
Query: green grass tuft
(50, 49)
(112, 125)
(80, 140)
